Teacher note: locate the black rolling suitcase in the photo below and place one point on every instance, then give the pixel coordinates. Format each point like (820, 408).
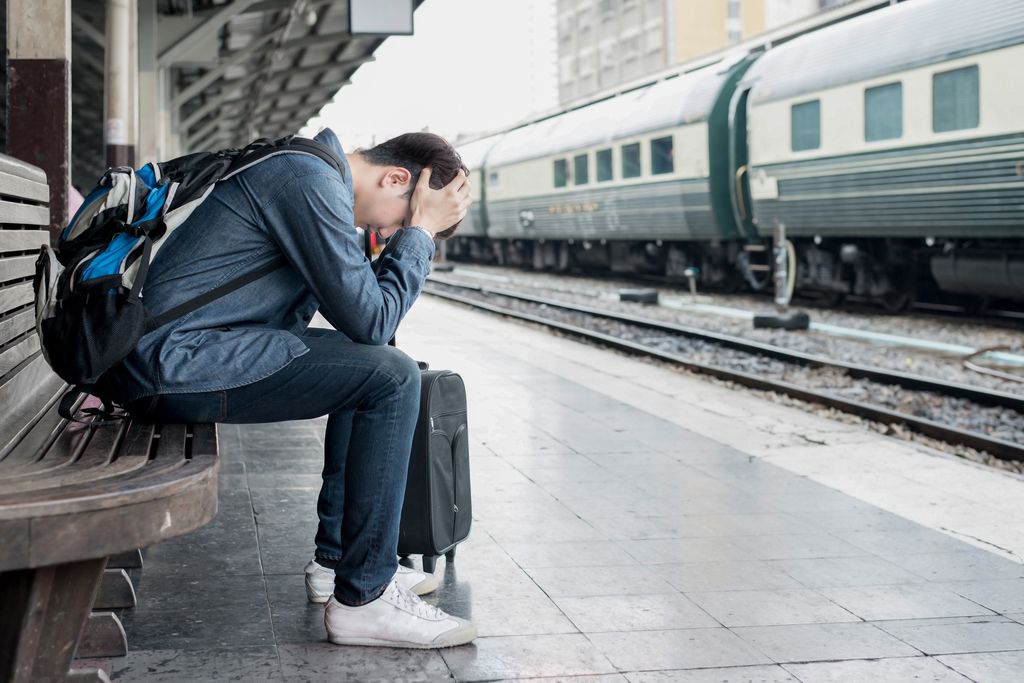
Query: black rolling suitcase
(438, 508)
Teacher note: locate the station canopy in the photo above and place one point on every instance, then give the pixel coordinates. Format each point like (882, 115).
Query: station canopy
(232, 70)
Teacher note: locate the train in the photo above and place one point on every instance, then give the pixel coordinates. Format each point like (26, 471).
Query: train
(890, 147)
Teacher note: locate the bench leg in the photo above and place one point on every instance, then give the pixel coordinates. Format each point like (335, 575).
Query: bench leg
(87, 676)
(103, 636)
(42, 619)
(116, 591)
(127, 560)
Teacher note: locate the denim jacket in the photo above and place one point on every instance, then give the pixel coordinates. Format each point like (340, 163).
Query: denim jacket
(291, 205)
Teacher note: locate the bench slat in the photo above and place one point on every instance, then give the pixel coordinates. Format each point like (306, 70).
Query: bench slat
(17, 353)
(97, 462)
(24, 397)
(87, 461)
(24, 214)
(16, 186)
(24, 461)
(128, 458)
(172, 442)
(15, 296)
(17, 267)
(22, 240)
(204, 439)
(16, 325)
(19, 168)
(137, 442)
(168, 474)
(153, 481)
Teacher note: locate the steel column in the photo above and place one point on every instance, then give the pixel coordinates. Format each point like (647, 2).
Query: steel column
(39, 94)
(119, 122)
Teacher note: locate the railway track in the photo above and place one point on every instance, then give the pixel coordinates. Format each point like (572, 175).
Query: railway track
(982, 419)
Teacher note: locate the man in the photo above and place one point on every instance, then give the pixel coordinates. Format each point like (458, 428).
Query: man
(249, 357)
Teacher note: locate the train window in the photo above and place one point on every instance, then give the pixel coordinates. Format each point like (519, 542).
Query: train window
(580, 170)
(561, 172)
(631, 160)
(955, 99)
(661, 156)
(806, 126)
(604, 165)
(883, 112)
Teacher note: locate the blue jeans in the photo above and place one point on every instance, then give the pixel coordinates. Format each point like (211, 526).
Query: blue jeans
(371, 394)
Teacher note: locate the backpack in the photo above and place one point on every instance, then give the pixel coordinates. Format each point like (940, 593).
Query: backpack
(89, 312)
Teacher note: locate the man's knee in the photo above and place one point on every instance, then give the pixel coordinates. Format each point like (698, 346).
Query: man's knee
(402, 370)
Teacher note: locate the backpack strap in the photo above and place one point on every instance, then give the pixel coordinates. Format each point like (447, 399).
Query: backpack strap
(319, 149)
(214, 294)
(262, 149)
(71, 403)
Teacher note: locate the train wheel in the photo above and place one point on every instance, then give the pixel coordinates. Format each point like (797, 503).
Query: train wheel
(897, 301)
(978, 305)
(829, 299)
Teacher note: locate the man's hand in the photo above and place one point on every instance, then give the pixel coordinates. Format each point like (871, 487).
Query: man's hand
(438, 210)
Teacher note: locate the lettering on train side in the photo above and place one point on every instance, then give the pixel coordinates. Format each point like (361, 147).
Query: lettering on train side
(577, 207)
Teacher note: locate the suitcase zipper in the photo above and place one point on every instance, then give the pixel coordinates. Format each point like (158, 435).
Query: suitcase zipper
(446, 414)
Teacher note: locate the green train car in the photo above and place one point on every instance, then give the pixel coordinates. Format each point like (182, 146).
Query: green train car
(890, 145)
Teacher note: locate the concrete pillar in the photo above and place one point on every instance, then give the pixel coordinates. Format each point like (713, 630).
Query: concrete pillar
(133, 65)
(39, 94)
(152, 114)
(119, 126)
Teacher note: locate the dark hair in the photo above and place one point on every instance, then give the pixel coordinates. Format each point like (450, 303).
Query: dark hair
(413, 151)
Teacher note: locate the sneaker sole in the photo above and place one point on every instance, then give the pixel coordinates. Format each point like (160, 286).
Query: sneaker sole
(460, 636)
(427, 585)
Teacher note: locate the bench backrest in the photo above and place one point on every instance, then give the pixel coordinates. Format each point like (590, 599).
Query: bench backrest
(27, 385)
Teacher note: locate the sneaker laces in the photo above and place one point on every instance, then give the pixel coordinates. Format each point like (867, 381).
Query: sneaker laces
(409, 601)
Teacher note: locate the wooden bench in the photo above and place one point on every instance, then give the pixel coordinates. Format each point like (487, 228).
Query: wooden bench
(73, 494)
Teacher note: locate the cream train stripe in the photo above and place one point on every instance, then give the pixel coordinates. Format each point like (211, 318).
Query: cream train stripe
(688, 186)
(909, 163)
(898, 162)
(942, 189)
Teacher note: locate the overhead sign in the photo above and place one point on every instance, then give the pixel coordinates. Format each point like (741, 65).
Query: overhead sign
(380, 17)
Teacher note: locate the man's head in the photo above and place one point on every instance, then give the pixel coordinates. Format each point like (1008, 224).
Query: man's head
(385, 177)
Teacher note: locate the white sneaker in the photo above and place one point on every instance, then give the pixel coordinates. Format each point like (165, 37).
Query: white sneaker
(320, 581)
(398, 618)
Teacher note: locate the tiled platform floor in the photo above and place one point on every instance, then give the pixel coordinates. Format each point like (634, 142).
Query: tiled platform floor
(609, 544)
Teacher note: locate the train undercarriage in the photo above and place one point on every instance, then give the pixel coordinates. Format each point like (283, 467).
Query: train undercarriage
(893, 273)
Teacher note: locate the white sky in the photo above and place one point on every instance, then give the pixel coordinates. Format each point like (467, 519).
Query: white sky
(471, 66)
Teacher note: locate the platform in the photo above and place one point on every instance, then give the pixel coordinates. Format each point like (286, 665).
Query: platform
(631, 523)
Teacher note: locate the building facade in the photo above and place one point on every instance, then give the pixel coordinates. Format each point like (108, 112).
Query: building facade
(605, 42)
(602, 43)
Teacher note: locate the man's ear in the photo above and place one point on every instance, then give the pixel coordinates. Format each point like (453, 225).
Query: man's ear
(396, 177)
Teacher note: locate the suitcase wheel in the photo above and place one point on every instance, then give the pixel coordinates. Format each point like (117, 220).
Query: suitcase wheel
(450, 555)
(429, 562)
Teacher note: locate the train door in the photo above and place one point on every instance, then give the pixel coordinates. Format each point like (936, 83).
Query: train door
(739, 159)
(754, 261)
